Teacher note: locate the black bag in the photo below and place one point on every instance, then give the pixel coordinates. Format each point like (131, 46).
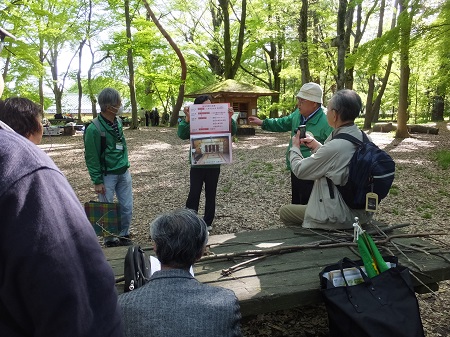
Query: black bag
(382, 306)
(371, 170)
(136, 268)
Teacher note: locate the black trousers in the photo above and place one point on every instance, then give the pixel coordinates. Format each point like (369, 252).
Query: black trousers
(301, 190)
(209, 176)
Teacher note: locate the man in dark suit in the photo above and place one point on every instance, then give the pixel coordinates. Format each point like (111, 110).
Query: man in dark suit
(173, 302)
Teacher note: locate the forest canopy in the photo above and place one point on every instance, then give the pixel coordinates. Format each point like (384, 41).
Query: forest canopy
(393, 53)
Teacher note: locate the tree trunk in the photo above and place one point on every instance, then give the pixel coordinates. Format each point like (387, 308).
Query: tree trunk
(41, 76)
(275, 54)
(240, 46)
(348, 74)
(339, 42)
(227, 63)
(230, 67)
(130, 62)
(89, 80)
(373, 104)
(437, 113)
(405, 31)
(303, 39)
(179, 103)
(80, 87)
(214, 59)
(384, 81)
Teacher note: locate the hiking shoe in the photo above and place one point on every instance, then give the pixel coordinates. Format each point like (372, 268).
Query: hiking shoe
(112, 243)
(125, 241)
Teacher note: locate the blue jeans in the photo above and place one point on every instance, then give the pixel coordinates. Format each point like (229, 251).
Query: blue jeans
(121, 185)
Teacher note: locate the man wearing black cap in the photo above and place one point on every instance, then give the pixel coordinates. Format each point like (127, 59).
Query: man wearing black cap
(309, 113)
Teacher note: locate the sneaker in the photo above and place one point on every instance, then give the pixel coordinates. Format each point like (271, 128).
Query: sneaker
(209, 228)
(125, 241)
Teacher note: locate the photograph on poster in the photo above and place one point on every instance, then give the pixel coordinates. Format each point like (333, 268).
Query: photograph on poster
(211, 149)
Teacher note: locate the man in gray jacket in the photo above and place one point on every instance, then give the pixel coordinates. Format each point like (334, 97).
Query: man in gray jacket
(330, 160)
(173, 302)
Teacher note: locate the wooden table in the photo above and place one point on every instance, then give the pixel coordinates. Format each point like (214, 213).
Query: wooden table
(291, 279)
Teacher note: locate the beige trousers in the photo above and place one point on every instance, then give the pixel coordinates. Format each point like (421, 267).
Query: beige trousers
(292, 215)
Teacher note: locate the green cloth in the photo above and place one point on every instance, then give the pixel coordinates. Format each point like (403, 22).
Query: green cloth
(317, 125)
(370, 255)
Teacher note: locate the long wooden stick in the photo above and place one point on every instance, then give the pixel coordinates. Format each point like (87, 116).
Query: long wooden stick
(314, 245)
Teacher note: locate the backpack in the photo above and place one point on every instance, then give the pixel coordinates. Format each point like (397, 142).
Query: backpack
(136, 268)
(371, 170)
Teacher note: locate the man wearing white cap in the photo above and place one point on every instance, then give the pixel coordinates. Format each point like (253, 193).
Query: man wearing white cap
(309, 112)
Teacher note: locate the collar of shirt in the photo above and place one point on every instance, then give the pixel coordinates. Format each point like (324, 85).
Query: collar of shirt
(303, 120)
(115, 126)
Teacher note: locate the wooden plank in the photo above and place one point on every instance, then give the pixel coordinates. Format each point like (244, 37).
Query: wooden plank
(287, 280)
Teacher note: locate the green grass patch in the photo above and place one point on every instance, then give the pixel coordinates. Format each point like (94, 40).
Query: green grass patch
(426, 215)
(227, 188)
(269, 167)
(444, 193)
(443, 158)
(396, 211)
(394, 190)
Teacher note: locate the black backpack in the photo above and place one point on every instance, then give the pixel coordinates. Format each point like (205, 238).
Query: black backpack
(136, 268)
(371, 170)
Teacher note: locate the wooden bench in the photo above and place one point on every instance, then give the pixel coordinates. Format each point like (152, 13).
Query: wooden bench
(286, 280)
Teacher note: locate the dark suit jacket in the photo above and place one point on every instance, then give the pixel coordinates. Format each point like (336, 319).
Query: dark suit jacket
(174, 303)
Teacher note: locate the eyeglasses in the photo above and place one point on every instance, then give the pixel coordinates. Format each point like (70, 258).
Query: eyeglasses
(301, 100)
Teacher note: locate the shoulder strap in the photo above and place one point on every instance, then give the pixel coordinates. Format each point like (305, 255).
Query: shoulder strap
(96, 122)
(102, 132)
(352, 139)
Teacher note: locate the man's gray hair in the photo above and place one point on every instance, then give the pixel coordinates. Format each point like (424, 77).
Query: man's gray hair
(347, 103)
(180, 237)
(108, 97)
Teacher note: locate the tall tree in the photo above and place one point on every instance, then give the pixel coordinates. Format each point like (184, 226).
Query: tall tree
(179, 103)
(405, 22)
(373, 103)
(230, 67)
(343, 17)
(130, 62)
(303, 38)
(80, 57)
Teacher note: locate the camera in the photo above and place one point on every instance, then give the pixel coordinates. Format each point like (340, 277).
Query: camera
(302, 130)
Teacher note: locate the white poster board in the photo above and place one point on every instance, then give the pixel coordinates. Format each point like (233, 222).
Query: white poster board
(210, 134)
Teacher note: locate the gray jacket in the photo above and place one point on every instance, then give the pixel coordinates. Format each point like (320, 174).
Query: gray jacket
(329, 160)
(175, 304)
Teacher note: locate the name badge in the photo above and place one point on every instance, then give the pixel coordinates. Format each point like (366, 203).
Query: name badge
(119, 146)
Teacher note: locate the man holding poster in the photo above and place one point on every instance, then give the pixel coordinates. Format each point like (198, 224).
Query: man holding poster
(209, 128)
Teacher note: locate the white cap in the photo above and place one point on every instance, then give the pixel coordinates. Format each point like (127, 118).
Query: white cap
(311, 92)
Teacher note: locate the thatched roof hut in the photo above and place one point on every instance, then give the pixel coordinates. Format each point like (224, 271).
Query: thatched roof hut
(241, 96)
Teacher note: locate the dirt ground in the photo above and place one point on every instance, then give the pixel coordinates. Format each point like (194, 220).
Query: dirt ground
(252, 189)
